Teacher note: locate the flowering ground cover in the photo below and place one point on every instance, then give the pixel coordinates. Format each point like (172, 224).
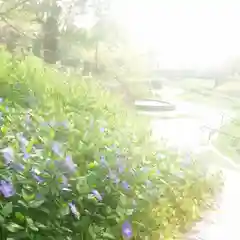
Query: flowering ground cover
(75, 164)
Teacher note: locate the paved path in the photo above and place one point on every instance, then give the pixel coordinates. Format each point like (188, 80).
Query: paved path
(223, 222)
(189, 135)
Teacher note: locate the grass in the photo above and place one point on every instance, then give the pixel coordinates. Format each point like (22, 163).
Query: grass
(228, 141)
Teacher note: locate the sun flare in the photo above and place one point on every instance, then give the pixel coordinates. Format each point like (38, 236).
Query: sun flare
(185, 34)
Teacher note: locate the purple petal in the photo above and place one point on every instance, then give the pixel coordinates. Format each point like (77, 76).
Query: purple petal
(127, 230)
(37, 178)
(23, 141)
(103, 161)
(70, 164)
(65, 124)
(113, 176)
(18, 167)
(7, 189)
(102, 129)
(73, 209)
(125, 185)
(57, 149)
(26, 155)
(8, 155)
(97, 195)
(64, 181)
(121, 169)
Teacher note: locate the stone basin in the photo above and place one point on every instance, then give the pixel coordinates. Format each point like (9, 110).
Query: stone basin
(153, 105)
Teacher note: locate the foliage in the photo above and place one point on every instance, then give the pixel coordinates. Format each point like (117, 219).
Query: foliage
(227, 141)
(103, 45)
(76, 165)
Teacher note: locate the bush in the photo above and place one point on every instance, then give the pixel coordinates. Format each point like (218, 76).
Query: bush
(76, 165)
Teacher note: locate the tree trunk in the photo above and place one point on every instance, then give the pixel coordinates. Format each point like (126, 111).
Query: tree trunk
(50, 40)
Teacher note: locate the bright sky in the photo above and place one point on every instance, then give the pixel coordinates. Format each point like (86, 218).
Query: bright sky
(186, 33)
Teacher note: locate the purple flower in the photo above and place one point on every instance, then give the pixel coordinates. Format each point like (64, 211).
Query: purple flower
(103, 161)
(37, 177)
(65, 124)
(57, 149)
(67, 165)
(97, 195)
(73, 209)
(121, 168)
(64, 182)
(26, 155)
(7, 189)
(127, 230)
(70, 165)
(18, 167)
(125, 185)
(8, 155)
(113, 176)
(102, 129)
(23, 141)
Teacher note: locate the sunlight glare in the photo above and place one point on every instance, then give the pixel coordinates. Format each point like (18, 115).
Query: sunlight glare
(185, 34)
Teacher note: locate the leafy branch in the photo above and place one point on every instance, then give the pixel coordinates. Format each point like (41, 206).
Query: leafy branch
(21, 32)
(17, 5)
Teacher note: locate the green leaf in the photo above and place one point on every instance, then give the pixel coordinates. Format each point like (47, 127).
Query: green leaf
(13, 227)
(27, 196)
(31, 224)
(7, 209)
(32, 227)
(108, 236)
(1, 219)
(23, 203)
(19, 216)
(91, 232)
(123, 200)
(36, 204)
(40, 225)
(64, 210)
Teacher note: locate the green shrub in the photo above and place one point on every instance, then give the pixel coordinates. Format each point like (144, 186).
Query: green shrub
(76, 165)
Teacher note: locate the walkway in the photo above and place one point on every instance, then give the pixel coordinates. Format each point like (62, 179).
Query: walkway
(189, 135)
